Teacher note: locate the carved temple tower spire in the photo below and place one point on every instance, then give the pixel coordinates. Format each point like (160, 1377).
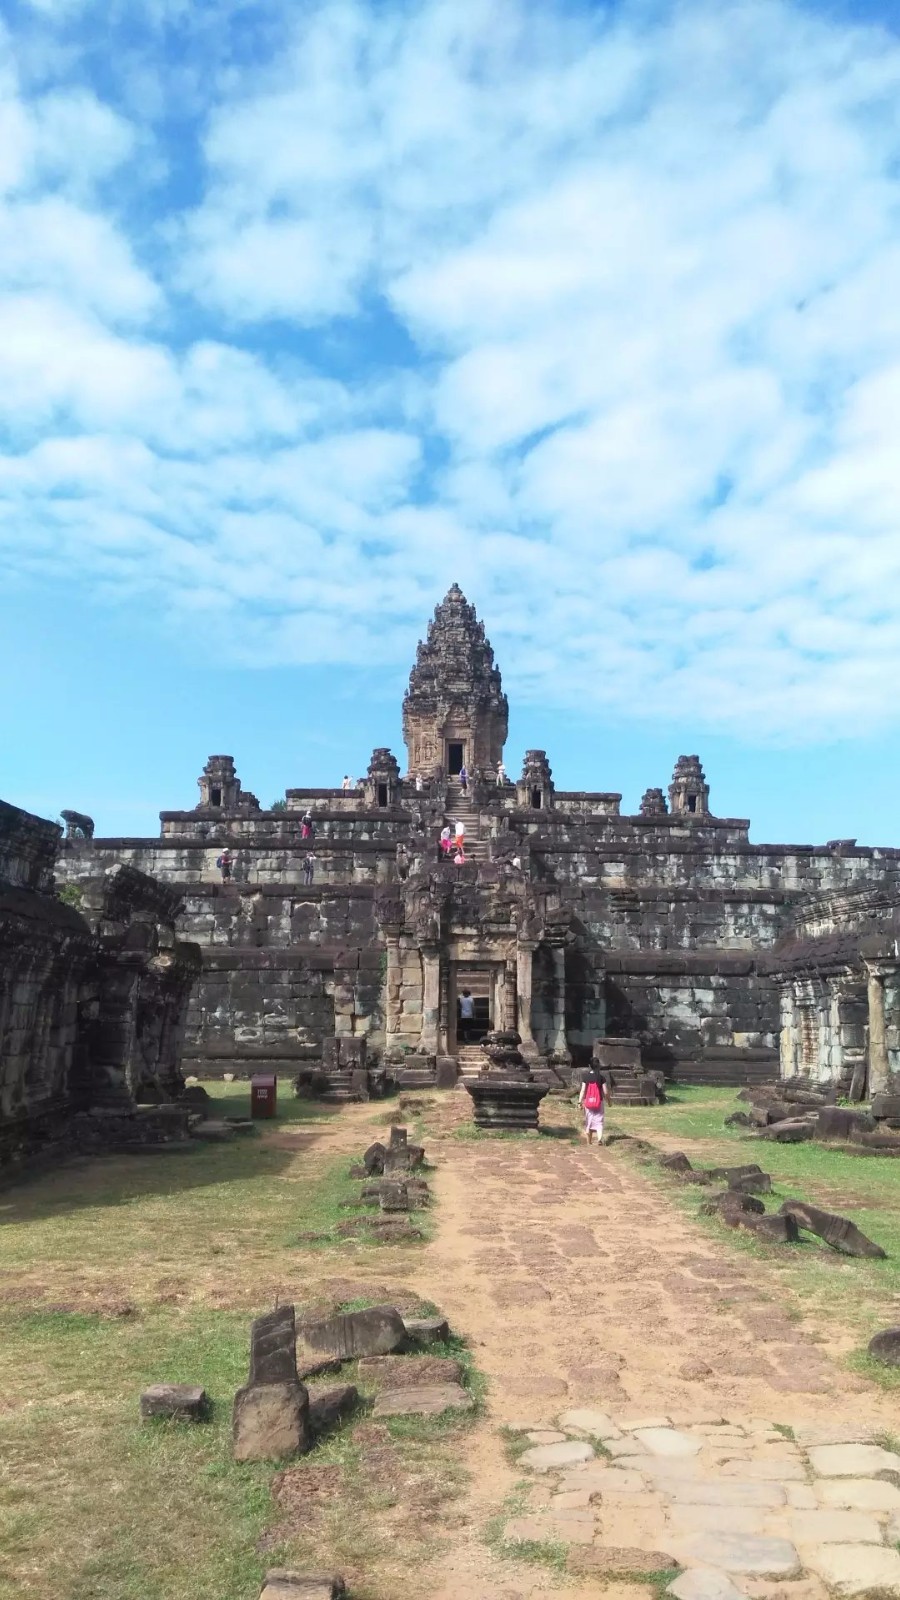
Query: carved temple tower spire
(454, 711)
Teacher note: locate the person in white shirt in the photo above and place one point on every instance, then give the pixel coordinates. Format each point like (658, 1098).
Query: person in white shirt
(460, 835)
(501, 774)
(347, 784)
(466, 1014)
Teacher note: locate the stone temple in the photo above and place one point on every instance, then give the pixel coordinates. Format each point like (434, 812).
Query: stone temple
(722, 960)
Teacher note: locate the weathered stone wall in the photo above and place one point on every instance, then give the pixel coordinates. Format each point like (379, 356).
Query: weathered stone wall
(663, 908)
(93, 1001)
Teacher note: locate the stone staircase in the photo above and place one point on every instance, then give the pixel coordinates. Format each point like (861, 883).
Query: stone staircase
(470, 1058)
(460, 808)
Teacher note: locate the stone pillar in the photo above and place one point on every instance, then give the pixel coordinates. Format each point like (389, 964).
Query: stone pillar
(524, 964)
(431, 999)
(498, 1006)
(559, 1046)
(392, 991)
(788, 1039)
(507, 1020)
(879, 1073)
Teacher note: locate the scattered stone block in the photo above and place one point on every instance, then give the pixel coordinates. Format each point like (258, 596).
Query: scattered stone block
(427, 1401)
(732, 1207)
(836, 1122)
(404, 1372)
(426, 1330)
(270, 1422)
(885, 1346)
(375, 1332)
(701, 1583)
(754, 1555)
(552, 1457)
(373, 1160)
(394, 1197)
(613, 1559)
(795, 1130)
(775, 1230)
(212, 1131)
(856, 1568)
(676, 1162)
(327, 1407)
(195, 1096)
(184, 1402)
(852, 1460)
(281, 1583)
(271, 1413)
(838, 1232)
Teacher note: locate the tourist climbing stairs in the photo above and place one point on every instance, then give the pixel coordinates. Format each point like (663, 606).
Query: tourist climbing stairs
(460, 808)
(470, 1058)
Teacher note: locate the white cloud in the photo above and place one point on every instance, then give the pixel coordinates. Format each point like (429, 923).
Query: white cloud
(595, 312)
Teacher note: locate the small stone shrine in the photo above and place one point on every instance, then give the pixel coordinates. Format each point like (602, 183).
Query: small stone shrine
(505, 1094)
(567, 920)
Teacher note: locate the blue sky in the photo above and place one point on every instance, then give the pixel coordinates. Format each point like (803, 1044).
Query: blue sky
(308, 311)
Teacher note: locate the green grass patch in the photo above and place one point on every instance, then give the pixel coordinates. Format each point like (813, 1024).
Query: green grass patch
(549, 1553)
(125, 1271)
(860, 1293)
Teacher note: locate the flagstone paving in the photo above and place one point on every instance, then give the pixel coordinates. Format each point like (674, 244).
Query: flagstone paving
(718, 1430)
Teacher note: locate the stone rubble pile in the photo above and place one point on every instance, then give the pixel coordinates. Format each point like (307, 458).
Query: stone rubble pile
(738, 1205)
(730, 1503)
(790, 1114)
(393, 1175)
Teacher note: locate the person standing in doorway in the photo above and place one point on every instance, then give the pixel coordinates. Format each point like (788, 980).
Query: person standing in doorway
(463, 779)
(466, 1015)
(592, 1097)
(309, 867)
(225, 865)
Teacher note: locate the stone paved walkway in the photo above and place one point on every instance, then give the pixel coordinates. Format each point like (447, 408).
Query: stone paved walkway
(727, 1501)
(581, 1286)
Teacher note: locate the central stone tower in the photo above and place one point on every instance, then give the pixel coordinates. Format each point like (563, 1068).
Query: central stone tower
(454, 711)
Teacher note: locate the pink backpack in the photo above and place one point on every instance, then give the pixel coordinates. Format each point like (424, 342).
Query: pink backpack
(593, 1096)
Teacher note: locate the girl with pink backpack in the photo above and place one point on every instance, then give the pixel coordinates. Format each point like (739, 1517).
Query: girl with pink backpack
(592, 1098)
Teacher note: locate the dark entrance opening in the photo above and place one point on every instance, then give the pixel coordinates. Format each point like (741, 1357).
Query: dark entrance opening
(692, 802)
(535, 799)
(215, 797)
(382, 794)
(455, 758)
(474, 1030)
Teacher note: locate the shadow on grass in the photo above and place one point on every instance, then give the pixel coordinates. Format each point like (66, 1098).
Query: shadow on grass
(119, 1180)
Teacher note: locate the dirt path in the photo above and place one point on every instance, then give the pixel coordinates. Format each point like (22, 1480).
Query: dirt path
(578, 1283)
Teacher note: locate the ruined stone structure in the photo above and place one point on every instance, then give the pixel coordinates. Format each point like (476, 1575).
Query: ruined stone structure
(93, 995)
(568, 921)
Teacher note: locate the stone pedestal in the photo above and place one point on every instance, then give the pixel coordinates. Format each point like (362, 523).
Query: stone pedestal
(505, 1095)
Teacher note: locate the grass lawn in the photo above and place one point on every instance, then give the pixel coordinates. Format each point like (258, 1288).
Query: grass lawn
(120, 1272)
(861, 1296)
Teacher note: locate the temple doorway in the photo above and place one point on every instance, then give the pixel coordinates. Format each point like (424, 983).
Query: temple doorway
(480, 985)
(456, 751)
